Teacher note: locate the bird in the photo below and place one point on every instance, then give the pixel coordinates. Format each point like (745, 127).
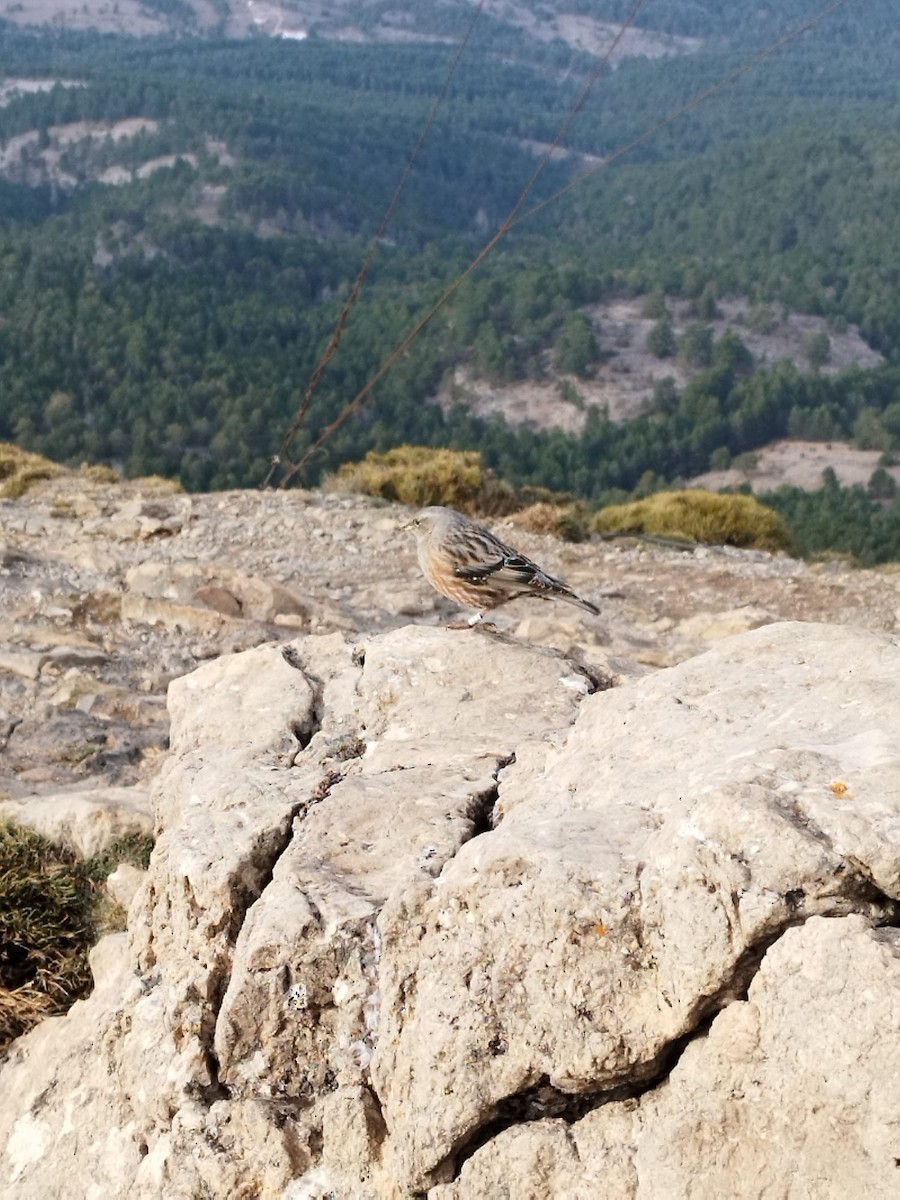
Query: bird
(469, 565)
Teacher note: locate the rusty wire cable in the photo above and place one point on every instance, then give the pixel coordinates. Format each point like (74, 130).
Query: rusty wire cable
(335, 340)
(515, 217)
(356, 403)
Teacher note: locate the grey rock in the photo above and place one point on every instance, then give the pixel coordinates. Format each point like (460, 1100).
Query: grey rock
(86, 821)
(794, 1090)
(26, 663)
(687, 819)
(124, 884)
(11, 555)
(377, 955)
(62, 657)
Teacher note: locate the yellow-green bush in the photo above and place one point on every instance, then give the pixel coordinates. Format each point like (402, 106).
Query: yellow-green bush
(19, 469)
(419, 476)
(100, 473)
(695, 515)
(158, 485)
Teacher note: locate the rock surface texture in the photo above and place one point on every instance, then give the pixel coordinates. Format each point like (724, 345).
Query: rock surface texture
(110, 590)
(443, 913)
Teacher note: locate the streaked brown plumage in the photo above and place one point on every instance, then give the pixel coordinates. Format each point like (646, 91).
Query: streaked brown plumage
(468, 564)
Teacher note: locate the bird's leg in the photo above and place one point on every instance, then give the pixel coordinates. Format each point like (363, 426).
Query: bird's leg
(469, 623)
(478, 622)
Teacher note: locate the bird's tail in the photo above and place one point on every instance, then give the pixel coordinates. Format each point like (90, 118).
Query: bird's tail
(571, 598)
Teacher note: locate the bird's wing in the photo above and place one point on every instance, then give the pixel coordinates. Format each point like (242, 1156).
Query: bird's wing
(507, 568)
(479, 571)
(518, 576)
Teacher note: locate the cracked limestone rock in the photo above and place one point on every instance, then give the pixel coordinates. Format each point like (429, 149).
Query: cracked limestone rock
(794, 1091)
(640, 870)
(431, 914)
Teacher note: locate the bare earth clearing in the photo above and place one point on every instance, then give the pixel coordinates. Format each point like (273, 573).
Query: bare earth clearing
(800, 464)
(237, 18)
(624, 381)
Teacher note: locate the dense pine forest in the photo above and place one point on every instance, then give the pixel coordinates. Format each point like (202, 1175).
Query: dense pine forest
(168, 322)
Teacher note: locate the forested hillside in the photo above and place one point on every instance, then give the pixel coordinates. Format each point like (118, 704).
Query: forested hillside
(181, 220)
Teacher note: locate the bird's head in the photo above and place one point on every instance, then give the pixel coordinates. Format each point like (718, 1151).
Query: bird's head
(427, 520)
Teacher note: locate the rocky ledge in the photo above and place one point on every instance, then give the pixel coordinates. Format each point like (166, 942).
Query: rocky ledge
(445, 914)
(109, 590)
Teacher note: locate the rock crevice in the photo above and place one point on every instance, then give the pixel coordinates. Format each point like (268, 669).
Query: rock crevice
(493, 932)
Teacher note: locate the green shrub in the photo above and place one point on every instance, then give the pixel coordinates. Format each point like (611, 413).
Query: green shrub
(420, 475)
(661, 339)
(695, 515)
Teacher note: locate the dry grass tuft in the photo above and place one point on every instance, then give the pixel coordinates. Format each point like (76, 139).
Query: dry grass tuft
(419, 476)
(158, 485)
(100, 473)
(53, 907)
(565, 521)
(19, 469)
(46, 929)
(695, 515)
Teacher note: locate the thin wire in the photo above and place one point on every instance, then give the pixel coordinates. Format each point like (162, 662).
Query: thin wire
(335, 339)
(511, 219)
(689, 106)
(572, 114)
(515, 218)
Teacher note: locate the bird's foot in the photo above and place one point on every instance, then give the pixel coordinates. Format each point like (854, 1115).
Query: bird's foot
(475, 622)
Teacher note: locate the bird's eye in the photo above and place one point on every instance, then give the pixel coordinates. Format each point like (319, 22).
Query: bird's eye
(417, 521)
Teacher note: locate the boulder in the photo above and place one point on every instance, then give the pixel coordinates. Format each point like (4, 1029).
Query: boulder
(794, 1089)
(640, 870)
(85, 820)
(440, 913)
(159, 590)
